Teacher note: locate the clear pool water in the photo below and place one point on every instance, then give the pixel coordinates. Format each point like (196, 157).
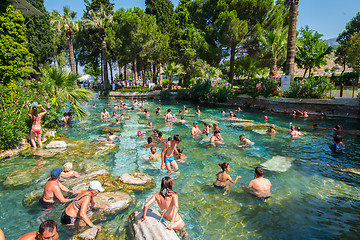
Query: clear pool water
(316, 195)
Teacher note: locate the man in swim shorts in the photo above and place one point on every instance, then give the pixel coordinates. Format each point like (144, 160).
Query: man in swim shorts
(47, 230)
(167, 154)
(183, 122)
(260, 187)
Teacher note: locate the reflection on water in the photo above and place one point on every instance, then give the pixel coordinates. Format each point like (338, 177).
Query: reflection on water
(315, 193)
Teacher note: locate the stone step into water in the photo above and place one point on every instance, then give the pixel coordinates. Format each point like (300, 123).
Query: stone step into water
(152, 228)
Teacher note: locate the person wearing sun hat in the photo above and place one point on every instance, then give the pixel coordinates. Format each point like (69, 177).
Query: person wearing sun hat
(81, 204)
(52, 190)
(195, 131)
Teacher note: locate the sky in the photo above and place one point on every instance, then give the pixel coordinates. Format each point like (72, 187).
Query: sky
(328, 17)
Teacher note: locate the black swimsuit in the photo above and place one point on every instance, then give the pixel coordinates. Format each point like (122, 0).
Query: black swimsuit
(66, 219)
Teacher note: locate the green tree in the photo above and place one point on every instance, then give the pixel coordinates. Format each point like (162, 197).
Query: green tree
(311, 50)
(273, 44)
(100, 20)
(172, 70)
(291, 44)
(353, 51)
(40, 37)
(343, 39)
(65, 23)
(15, 58)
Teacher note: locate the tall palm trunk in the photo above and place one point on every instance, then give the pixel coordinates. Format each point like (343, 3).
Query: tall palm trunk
(71, 51)
(155, 73)
(120, 71)
(290, 57)
(111, 73)
(232, 65)
(273, 67)
(170, 82)
(135, 67)
(125, 76)
(104, 63)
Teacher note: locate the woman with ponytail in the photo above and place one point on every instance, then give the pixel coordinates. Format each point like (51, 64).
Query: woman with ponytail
(223, 178)
(168, 202)
(36, 124)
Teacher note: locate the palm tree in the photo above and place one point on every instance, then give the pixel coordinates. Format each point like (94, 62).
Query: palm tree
(171, 70)
(290, 57)
(273, 44)
(66, 23)
(100, 20)
(61, 87)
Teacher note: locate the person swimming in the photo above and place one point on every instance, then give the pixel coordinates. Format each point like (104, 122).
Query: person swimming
(244, 141)
(223, 179)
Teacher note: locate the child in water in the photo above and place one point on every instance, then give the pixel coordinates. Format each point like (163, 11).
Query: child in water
(154, 157)
(338, 145)
(244, 141)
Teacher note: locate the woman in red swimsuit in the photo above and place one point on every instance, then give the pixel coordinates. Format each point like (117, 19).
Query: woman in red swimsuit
(36, 125)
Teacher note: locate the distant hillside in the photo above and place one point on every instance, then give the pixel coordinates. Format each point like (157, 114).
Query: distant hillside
(332, 42)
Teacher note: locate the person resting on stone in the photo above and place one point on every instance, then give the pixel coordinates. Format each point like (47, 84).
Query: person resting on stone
(81, 204)
(68, 172)
(168, 202)
(52, 190)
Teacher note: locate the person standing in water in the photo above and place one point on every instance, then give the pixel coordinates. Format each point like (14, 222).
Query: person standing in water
(167, 154)
(47, 230)
(36, 125)
(168, 201)
(260, 187)
(223, 179)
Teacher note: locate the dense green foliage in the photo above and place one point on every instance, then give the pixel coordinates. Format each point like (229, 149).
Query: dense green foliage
(266, 86)
(40, 36)
(312, 87)
(15, 58)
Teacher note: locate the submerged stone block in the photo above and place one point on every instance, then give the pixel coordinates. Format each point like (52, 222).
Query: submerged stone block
(94, 234)
(57, 144)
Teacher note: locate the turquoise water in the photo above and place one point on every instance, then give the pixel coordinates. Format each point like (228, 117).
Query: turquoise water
(315, 194)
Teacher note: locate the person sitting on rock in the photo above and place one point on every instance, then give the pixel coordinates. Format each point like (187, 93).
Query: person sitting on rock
(68, 172)
(81, 204)
(47, 230)
(168, 201)
(52, 190)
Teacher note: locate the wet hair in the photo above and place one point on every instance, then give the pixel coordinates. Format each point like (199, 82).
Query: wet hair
(158, 108)
(182, 117)
(149, 140)
(166, 187)
(117, 119)
(35, 111)
(156, 131)
(145, 110)
(49, 225)
(216, 132)
(259, 171)
(272, 126)
(292, 128)
(169, 138)
(186, 108)
(132, 108)
(180, 111)
(169, 110)
(67, 167)
(65, 114)
(234, 115)
(206, 124)
(337, 138)
(157, 112)
(241, 136)
(298, 129)
(104, 109)
(224, 166)
(177, 138)
(338, 127)
(160, 134)
(153, 150)
(111, 132)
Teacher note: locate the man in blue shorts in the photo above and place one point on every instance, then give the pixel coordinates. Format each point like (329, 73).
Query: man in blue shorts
(167, 154)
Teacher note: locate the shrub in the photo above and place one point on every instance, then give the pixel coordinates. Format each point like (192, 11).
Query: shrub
(266, 86)
(183, 94)
(201, 90)
(348, 79)
(165, 82)
(165, 95)
(312, 87)
(221, 93)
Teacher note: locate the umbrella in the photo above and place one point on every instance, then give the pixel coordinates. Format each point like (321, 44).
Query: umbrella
(85, 78)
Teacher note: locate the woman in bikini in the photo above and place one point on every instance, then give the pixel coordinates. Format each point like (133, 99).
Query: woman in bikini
(168, 202)
(216, 138)
(36, 125)
(81, 204)
(223, 178)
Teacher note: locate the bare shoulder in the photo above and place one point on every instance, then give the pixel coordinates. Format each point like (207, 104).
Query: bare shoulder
(28, 236)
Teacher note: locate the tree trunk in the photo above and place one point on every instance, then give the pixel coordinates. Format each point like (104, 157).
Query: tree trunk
(135, 67)
(344, 66)
(111, 73)
(104, 62)
(290, 57)
(72, 58)
(160, 76)
(305, 72)
(155, 73)
(125, 76)
(273, 67)
(102, 69)
(170, 83)
(309, 71)
(232, 64)
(120, 71)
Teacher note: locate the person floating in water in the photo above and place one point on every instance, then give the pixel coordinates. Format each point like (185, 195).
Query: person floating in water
(183, 122)
(195, 131)
(168, 202)
(271, 130)
(260, 187)
(223, 179)
(52, 190)
(36, 124)
(47, 230)
(154, 157)
(338, 145)
(216, 138)
(244, 141)
(167, 154)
